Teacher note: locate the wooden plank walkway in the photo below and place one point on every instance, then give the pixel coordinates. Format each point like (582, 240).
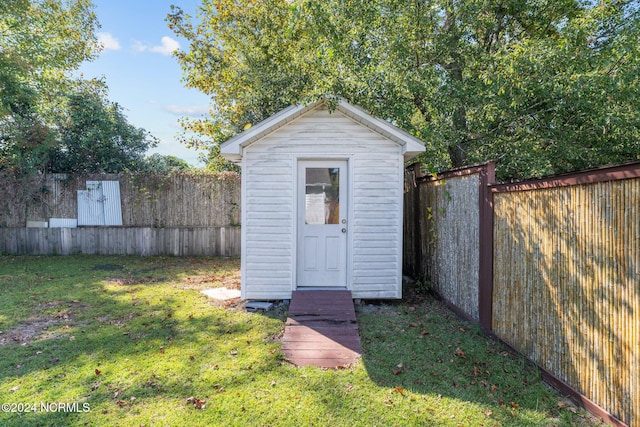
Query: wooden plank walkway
(321, 329)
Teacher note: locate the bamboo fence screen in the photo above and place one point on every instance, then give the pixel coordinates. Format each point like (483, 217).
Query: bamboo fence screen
(445, 225)
(557, 273)
(566, 287)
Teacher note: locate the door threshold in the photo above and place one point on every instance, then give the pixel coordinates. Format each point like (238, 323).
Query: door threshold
(321, 288)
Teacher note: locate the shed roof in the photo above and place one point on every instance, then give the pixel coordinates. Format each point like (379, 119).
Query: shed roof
(233, 148)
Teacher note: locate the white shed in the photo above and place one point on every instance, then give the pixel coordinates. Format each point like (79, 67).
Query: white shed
(322, 195)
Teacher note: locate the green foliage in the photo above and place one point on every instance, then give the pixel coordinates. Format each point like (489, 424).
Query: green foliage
(165, 163)
(96, 137)
(42, 43)
(542, 86)
(216, 163)
(49, 120)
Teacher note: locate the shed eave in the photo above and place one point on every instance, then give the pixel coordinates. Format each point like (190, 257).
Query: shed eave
(233, 149)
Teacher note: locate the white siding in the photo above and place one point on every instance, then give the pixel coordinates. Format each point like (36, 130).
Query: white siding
(269, 197)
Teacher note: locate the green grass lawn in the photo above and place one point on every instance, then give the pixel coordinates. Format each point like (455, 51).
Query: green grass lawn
(130, 341)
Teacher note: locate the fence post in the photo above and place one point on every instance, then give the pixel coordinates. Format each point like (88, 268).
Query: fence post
(417, 229)
(485, 269)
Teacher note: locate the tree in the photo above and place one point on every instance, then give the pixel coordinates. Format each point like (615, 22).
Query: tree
(42, 42)
(95, 136)
(165, 163)
(543, 86)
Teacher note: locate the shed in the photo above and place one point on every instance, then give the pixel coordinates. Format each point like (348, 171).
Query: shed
(322, 195)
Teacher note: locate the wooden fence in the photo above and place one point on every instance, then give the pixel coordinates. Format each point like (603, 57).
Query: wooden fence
(561, 281)
(176, 214)
(178, 241)
(148, 200)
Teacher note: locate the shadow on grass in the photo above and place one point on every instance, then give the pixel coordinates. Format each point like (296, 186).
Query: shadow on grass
(421, 347)
(114, 333)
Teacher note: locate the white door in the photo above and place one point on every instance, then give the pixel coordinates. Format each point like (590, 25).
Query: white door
(322, 223)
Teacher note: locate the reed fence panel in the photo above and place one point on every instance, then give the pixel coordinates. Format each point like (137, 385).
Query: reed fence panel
(566, 286)
(446, 225)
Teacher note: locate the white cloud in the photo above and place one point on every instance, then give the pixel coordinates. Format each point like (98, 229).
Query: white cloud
(138, 46)
(108, 42)
(167, 46)
(187, 110)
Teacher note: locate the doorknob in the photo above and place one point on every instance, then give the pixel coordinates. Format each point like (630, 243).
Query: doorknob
(344, 230)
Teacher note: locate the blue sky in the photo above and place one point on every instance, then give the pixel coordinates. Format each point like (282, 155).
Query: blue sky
(142, 75)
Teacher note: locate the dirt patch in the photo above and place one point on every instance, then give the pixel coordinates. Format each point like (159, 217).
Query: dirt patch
(33, 330)
(205, 282)
(54, 315)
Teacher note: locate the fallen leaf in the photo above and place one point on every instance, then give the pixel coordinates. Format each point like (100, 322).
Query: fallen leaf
(192, 357)
(459, 352)
(14, 389)
(198, 403)
(514, 405)
(98, 371)
(400, 390)
(423, 333)
(489, 413)
(121, 403)
(396, 371)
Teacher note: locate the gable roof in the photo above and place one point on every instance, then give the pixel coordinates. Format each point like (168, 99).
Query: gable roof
(233, 148)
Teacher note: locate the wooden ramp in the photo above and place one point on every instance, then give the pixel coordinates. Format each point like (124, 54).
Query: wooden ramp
(321, 329)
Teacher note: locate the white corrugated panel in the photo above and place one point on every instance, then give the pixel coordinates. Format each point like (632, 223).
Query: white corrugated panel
(90, 210)
(63, 223)
(100, 204)
(111, 203)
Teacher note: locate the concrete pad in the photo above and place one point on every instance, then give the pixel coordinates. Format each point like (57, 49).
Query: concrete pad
(221, 294)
